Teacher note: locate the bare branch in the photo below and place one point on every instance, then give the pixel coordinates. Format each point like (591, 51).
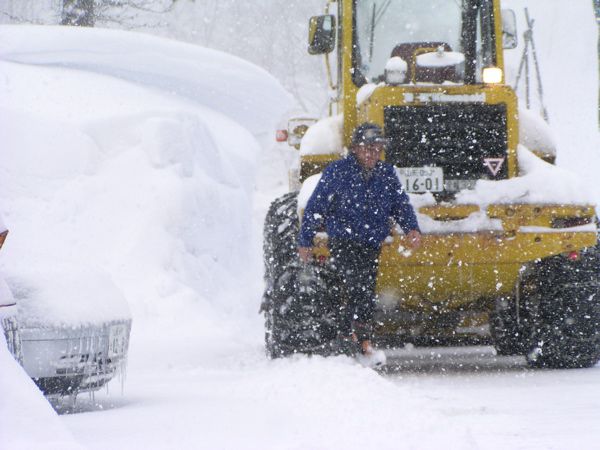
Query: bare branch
(15, 19)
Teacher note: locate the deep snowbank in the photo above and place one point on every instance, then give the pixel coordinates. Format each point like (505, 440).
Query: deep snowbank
(214, 79)
(27, 421)
(152, 188)
(119, 176)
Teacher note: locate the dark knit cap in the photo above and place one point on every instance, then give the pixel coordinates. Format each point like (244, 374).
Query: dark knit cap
(367, 134)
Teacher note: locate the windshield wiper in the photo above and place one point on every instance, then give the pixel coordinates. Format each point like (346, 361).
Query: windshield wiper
(375, 19)
(382, 11)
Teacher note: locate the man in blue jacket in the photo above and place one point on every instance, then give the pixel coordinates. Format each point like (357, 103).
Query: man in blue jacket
(354, 202)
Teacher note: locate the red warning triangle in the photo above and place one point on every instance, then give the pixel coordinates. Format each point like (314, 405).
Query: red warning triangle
(494, 165)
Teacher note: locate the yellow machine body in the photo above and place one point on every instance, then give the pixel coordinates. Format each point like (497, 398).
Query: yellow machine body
(454, 270)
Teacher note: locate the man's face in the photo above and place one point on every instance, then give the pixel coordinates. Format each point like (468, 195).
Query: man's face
(368, 155)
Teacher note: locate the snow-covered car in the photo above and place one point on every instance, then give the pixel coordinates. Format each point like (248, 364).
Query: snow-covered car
(74, 327)
(67, 361)
(68, 326)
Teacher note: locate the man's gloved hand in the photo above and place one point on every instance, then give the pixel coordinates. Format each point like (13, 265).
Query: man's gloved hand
(414, 239)
(305, 254)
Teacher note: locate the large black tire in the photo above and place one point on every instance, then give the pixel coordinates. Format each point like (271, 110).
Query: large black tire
(300, 300)
(280, 232)
(511, 326)
(564, 298)
(301, 316)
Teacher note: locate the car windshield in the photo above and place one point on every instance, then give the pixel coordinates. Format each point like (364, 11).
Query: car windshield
(407, 28)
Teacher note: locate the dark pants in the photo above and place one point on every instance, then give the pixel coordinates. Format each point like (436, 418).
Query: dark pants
(355, 265)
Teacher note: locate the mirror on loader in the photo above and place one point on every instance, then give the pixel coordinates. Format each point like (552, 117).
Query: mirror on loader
(297, 128)
(321, 35)
(510, 39)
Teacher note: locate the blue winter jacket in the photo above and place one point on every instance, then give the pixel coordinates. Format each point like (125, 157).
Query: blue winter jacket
(355, 208)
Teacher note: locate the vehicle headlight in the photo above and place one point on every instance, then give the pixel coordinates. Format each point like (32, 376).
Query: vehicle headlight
(492, 75)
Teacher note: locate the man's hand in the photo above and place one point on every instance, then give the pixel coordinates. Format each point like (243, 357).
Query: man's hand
(414, 239)
(305, 254)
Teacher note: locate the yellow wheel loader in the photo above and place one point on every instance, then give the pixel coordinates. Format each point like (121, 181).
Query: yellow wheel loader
(509, 256)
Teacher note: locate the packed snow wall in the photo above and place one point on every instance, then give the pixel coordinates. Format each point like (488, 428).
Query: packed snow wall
(133, 155)
(127, 170)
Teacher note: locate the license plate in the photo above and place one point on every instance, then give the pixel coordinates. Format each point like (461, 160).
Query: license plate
(117, 340)
(422, 179)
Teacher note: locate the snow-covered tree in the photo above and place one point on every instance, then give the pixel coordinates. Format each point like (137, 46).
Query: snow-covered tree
(31, 11)
(78, 13)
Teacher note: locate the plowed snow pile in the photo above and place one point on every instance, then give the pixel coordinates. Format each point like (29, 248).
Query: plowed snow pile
(131, 158)
(28, 421)
(105, 164)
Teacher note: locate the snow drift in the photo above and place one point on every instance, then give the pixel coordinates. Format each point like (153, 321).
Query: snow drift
(127, 178)
(26, 419)
(127, 167)
(219, 81)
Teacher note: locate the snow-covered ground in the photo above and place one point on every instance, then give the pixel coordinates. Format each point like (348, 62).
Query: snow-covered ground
(130, 155)
(27, 420)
